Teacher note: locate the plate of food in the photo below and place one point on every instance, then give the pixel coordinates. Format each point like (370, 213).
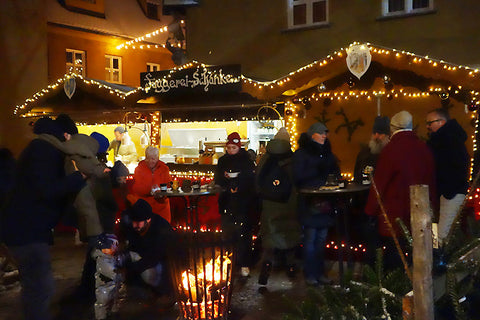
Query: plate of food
(330, 187)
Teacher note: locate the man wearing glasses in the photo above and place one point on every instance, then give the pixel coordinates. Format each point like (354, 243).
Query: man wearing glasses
(447, 141)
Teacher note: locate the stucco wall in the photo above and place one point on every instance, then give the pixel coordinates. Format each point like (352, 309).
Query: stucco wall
(254, 34)
(96, 47)
(23, 62)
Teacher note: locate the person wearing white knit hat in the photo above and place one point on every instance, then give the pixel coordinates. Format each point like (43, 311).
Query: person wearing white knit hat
(401, 121)
(406, 160)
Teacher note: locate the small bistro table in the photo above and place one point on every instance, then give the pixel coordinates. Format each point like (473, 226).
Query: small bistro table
(345, 196)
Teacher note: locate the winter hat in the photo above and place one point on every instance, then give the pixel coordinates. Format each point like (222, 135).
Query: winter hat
(381, 125)
(119, 169)
(282, 134)
(234, 138)
(49, 126)
(119, 129)
(103, 142)
(66, 123)
(140, 211)
(317, 127)
(401, 121)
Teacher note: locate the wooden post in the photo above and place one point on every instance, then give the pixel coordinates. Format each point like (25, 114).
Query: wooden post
(421, 224)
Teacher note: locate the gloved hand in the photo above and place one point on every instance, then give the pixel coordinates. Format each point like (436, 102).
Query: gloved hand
(134, 257)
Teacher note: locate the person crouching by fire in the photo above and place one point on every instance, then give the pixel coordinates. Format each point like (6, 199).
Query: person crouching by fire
(147, 237)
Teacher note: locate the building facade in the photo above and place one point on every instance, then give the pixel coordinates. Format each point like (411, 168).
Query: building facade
(46, 39)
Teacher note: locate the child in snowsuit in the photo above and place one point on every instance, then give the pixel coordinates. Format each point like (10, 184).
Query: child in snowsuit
(107, 279)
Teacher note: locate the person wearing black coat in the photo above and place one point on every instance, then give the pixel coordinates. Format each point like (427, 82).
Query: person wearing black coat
(235, 174)
(447, 142)
(38, 199)
(150, 239)
(313, 162)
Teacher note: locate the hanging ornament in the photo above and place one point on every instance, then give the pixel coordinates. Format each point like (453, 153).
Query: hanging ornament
(306, 103)
(321, 87)
(387, 82)
(69, 86)
(358, 59)
(288, 112)
(351, 82)
(444, 95)
(472, 106)
(327, 102)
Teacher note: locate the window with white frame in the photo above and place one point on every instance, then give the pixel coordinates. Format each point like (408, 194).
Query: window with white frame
(153, 67)
(399, 7)
(305, 13)
(75, 61)
(113, 69)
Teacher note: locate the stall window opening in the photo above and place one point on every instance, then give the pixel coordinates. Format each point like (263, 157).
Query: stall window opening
(75, 61)
(152, 67)
(402, 7)
(305, 13)
(113, 69)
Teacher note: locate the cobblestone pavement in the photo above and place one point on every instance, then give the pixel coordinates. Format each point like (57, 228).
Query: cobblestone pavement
(249, 300)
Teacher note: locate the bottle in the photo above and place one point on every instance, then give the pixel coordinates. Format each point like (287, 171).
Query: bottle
(367, 171)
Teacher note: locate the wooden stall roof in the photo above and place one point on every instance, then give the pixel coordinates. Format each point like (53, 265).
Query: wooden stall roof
(96, 101)
(404, 69)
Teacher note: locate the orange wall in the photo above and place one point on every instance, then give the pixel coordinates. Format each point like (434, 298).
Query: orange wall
(366, 110)
(96, 47)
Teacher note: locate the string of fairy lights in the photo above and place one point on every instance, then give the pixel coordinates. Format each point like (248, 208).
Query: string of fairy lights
(286, 83)
(140, 42)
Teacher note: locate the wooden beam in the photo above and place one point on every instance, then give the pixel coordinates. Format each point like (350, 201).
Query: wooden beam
(421, 224)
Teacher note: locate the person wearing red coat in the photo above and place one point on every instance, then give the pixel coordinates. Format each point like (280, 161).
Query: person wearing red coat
(405, 161)
(150, 173)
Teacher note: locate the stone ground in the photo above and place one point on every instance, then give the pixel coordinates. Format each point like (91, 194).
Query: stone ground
(249, 300)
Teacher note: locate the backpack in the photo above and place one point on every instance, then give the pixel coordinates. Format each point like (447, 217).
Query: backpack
(274, 180)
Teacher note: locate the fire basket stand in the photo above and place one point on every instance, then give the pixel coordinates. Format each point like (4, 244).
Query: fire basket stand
(201, 268)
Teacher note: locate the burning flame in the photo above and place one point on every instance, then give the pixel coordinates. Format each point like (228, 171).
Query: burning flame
(205, 290)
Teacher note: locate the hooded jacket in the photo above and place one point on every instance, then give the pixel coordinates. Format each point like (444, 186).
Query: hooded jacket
(451, 159)
(244, 182)
(313, 162)
(40, 192)
(279, 225)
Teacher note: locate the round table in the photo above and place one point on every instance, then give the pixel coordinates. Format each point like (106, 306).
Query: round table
(345, 196)
(191, 200)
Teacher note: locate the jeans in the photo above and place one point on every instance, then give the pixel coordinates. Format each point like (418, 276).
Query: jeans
(314, 251)
(36, 278)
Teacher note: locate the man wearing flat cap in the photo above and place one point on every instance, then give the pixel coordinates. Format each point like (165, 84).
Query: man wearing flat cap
(147, 236)
(122, 146)
(313, 162)
(405, 161)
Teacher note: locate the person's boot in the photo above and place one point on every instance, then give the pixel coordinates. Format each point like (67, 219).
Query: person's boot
(265, 273)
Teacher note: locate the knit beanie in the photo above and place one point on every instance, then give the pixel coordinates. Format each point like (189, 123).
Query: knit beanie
(401, 121)
(381, 125)
(317, 127)
(49, 126)
(234, 138)
(140, 211)
(103, 142)
(66, 123)
(282, 134)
